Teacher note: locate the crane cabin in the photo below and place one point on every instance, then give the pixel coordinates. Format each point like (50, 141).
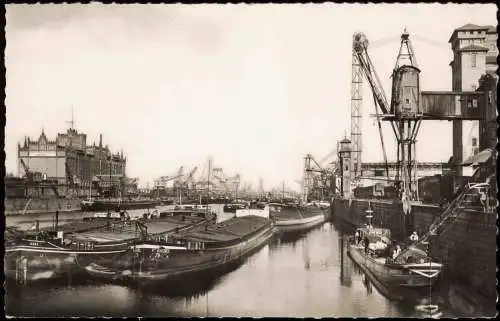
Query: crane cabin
(405, 100)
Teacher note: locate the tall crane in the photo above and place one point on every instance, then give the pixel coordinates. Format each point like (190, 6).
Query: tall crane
(356, 112)
(189, 179)
(402, 112)
(364, 65)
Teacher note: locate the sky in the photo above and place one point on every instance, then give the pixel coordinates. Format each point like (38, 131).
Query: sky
(255, 87)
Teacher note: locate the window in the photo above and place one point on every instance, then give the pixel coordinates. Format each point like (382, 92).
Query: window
(473, 60)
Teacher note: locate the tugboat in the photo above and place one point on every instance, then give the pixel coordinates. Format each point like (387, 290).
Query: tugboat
(411, 268)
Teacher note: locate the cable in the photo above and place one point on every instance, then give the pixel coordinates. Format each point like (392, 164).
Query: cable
(430, 42)
(383, 42)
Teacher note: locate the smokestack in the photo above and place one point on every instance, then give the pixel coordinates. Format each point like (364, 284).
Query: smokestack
(100, 140)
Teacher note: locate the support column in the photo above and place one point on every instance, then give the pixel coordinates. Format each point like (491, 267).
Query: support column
(458, 148)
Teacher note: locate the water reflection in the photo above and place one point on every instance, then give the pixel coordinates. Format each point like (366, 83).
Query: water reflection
(295, 275)
(346, 264)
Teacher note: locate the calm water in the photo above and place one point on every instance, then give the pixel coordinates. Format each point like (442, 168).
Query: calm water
(299, 276)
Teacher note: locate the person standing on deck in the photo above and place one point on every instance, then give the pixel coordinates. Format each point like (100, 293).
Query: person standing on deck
(367, 243)
(396, 252)
(414, 237)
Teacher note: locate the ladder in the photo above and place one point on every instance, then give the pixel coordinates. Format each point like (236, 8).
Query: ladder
(443, 221)
(449, 213)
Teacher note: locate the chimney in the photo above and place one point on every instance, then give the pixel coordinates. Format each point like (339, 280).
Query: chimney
(100, 140)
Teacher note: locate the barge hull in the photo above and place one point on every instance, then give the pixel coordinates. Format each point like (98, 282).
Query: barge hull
(211, 260)
(300, 224)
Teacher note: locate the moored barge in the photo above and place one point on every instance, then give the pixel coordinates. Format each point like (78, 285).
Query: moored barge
(112, 204)
(49, 253)
(412, 269)
(292, 217)
(197, 250)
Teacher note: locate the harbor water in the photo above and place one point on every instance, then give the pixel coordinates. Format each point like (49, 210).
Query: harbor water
(299, 275)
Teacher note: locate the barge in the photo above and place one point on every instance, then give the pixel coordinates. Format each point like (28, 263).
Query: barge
(254, 209)
(292, 217)
(52, 252)
(412, 269)
(201, 249)
(112, 204)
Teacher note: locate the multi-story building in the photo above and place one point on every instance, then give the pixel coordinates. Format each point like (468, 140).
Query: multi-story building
(474, 55)
(488, 127)
(70, 161)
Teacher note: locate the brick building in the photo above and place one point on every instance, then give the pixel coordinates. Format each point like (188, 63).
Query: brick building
(70, 161)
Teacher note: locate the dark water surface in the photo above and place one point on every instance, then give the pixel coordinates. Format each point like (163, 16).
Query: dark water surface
(299, 275)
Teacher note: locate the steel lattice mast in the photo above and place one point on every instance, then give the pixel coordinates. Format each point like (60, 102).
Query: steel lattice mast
(356, 114)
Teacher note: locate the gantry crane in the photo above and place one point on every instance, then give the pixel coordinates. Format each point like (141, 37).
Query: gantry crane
(401, 113)
(316, 177)
(162, 182)
(38, 179)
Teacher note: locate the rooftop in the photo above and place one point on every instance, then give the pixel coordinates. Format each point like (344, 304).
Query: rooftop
(472, 27)
(491, 29)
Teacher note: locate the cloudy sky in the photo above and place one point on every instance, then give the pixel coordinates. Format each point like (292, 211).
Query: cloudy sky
(255, 87)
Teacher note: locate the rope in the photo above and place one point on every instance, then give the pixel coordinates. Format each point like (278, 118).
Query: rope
(431, 42)
(383, 42)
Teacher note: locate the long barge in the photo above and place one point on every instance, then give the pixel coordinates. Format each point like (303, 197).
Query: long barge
(51, 253)
(198, 250)
(112, 204)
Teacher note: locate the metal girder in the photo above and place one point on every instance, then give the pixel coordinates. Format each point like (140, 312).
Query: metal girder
(356, 114)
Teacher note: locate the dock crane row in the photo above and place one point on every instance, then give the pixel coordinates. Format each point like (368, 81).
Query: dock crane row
(211, 181)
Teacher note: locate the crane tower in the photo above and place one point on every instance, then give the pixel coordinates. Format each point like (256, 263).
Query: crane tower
(403, 112)
(356, 112)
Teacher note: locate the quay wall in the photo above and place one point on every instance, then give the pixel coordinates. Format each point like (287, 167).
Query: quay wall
(385, 214)
(16, 206)
(467, 246)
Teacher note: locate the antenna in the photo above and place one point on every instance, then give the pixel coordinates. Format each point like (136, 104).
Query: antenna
(72, 121)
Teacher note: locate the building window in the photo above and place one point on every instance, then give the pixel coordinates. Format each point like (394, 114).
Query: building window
(473, 60)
